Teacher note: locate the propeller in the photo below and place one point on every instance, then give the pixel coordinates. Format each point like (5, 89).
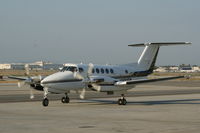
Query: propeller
(28, 81)
(27, 72)
(25, 83)
(85, 79)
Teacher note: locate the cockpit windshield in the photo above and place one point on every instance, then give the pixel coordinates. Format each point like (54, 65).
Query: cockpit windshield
(69, 68)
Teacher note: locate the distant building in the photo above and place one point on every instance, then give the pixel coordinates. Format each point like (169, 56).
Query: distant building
(5, 66)
(40, 65)
(35, 67)
(196, 68)
(17, 66)
(186, 69)
(173, 69)
(52, 66)
(161, 69)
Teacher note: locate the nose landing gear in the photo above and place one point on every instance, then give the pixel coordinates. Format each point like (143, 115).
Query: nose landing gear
(122, 100)
(45, 101)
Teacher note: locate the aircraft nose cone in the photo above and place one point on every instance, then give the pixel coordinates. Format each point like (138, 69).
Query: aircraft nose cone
(44, 81)
(57, 77)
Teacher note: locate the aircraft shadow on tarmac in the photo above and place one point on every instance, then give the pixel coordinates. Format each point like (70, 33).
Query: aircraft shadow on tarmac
(155, 102)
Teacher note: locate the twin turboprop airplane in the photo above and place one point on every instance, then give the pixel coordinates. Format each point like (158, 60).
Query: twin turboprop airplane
(101, 78)
(106, 78)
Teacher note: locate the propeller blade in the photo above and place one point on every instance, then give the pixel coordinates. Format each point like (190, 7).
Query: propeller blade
(82, 94)
(31, 94)
(40, 77)
(90, 68)
(85, 78)
(20, 84)
(78, 75)
(27, 69)
(96, 87)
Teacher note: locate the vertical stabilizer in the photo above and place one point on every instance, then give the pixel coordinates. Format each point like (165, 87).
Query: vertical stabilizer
(149, 55)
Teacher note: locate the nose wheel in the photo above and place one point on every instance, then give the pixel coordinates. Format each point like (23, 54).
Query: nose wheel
(65, 99)
(45, 101)
(122, 100)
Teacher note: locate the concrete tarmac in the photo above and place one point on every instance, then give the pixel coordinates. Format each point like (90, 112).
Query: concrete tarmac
(164, 107)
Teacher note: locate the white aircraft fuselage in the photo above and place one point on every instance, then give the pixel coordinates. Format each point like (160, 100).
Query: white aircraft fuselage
(67, 78)
(105, 78)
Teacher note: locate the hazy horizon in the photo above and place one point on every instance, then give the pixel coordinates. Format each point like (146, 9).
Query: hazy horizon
(97, 31)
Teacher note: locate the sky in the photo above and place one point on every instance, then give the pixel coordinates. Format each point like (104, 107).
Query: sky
(97, 31)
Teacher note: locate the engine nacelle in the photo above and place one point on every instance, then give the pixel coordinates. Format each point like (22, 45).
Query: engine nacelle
(37, 87)
(103, 80)
(106, 84)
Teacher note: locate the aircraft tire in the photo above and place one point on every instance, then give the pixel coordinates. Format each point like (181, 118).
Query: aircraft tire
(65, 100)
(120, 101)
(45, 102)
(124, 101)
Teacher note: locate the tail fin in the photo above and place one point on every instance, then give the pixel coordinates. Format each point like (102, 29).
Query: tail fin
(148, 57)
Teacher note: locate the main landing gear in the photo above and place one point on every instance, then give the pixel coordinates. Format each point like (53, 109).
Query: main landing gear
(122, 100)
(65, 99)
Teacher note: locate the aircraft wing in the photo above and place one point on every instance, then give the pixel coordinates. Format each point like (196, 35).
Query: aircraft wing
(142, 81)
(33, 79)
(18, 78)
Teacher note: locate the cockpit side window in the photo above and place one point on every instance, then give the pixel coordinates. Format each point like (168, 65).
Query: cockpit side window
(69, 68)
(80, 69)
(63, 69)
(72, 69)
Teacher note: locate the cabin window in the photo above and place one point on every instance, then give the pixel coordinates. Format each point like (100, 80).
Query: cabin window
(97, 70)
(80, 69)
(107, 71)
(126, 71)
(111, 71)
(102, 70)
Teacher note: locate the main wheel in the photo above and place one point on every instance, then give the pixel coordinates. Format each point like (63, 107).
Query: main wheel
(124, 101)
(120, 101)
(45, 102)
(65, 100)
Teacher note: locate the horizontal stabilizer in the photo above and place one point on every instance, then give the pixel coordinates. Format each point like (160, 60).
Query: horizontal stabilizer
(159, 43)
